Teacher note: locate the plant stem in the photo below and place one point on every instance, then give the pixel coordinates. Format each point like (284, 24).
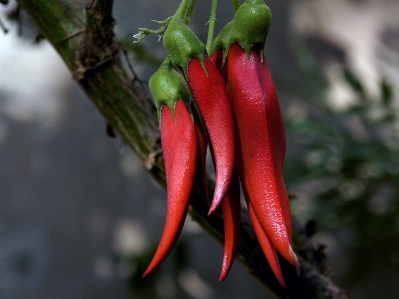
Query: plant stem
(236, 4)
(181, 14)
(211, 30)
(190, 10)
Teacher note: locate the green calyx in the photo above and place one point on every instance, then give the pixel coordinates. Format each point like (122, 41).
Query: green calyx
(251, 25)
(222, 41)
(168, 86)
(182, 44)
(180, 41)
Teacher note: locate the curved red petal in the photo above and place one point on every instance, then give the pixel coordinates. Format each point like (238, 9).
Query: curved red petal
(179, 146)
(231, 208)
(210, 94)
(261, 142)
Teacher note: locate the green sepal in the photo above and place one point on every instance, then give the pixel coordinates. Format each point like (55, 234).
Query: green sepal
(182, 44)
(222, 41)
(167, 86)
(251, 25)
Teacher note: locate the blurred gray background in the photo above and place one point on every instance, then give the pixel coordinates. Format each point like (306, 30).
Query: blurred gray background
(72, 199)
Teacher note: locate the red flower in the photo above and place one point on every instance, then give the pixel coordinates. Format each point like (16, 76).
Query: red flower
(242, 125)
(261, 145)
(179, 145)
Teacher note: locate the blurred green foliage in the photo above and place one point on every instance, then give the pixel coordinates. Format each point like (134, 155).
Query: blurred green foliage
(346, 164)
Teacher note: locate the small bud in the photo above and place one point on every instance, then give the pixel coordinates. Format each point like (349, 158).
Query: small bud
(182, 44)
(167, 86)
(251, 25)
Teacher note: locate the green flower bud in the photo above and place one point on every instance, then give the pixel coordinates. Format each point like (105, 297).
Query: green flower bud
(251, 25)
(167, 86)
(182, 44)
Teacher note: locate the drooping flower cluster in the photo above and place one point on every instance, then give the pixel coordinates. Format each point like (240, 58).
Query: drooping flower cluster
(235, 110)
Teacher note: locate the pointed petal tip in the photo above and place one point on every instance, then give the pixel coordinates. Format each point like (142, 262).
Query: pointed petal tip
(151, 268)
(296, 261)
(278, 273)
(223, 273)
(210, 211)
(228, 260)
(218, 197)
(214, 206)
(282, 282)
(221, 278)
(146, 273)
(298, 270)
(279, 276)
